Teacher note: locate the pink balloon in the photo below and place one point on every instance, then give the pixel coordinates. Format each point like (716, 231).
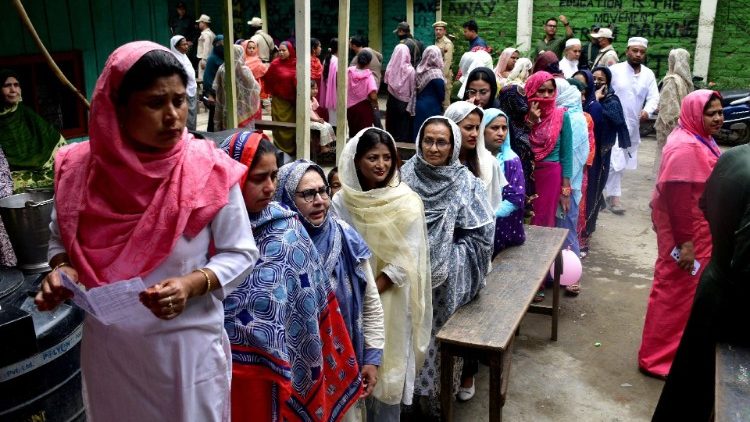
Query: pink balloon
(572, 268)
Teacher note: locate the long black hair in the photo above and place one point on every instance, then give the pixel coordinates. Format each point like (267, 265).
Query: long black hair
(487, 75)
(333, 48)
(369, 140)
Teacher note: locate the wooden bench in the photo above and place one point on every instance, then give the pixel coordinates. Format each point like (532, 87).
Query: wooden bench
(732, 383)
(406, 150)
(484, 328)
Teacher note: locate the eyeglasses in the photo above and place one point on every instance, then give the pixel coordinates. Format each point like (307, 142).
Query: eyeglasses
(438, 144)
(472, 92)
(309, 194)
(552, 26)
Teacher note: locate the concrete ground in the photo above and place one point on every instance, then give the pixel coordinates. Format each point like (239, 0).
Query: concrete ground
(573, 379)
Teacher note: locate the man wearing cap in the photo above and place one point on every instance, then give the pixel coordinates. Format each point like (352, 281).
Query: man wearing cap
(551, 42)
(569, 62)
(607, 55)
(205, 43)
(265, 44)
(635, 84)
(589, 50)
(446, 47)
(403, 31)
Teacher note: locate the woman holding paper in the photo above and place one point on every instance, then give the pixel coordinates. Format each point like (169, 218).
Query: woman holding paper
(144, 199)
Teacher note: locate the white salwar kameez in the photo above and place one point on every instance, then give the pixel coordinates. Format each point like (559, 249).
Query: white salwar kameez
(149, 369)
(633, 90)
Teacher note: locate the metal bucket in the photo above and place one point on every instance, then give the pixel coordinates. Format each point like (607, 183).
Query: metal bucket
(26, 217)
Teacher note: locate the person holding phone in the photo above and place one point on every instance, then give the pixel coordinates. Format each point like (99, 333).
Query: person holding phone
(689, 157)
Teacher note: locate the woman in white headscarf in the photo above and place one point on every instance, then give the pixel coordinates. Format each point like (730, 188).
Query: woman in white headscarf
(471, 61)
(248, 93)
(521, 71)
(390, 217)
(674, 87)
(178, 45)
(460, 229)
(478, 160)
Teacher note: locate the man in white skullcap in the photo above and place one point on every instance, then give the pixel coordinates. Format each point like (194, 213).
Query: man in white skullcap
(635, 84)
(571, 54)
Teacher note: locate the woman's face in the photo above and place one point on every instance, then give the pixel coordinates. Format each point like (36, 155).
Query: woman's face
(436, 144)
(251, 49)
(375, 165)
(600, 79)
(182, 46)
(494, 133)
(260, 184)
(713, 116)
(316, 209)
(317, 50)
(335, 184)
(154, 118)
(479, 92)
(11, 91)
(470, 131)
(283, 52)
(547, 90)
(512, 61)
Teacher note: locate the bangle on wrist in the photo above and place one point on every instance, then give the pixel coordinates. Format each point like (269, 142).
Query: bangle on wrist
(565, 191)
(62, 264)
(208, 279)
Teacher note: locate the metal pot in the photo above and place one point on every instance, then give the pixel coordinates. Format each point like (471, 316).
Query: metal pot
(26, 217)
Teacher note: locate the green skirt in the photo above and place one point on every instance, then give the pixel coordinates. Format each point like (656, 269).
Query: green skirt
(41, 178)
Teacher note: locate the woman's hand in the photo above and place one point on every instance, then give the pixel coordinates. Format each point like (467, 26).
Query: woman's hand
(369, 376)
(383, 282)
(167, 300)
(601, 92)
(535, 113)
(687, 256)
(565, 203)
(51, 292)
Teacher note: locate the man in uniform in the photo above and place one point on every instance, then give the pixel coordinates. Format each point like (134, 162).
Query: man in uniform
(261, 39)
(446, 47)
(205, 43)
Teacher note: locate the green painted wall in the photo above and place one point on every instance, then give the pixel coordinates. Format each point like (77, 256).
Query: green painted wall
(95, 27)
(730, 53)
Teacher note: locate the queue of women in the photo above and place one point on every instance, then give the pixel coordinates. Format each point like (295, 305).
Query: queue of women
(271, 297)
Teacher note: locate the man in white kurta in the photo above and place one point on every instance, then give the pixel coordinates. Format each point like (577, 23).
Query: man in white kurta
(635, 84)
(571, 54)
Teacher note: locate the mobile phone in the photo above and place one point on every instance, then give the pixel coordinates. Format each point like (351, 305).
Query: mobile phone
(675, 254)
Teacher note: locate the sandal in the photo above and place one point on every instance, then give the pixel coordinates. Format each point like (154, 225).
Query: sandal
(573, 290)
(539, 296)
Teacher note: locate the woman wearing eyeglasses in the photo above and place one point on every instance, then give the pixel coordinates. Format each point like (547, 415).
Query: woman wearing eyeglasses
(390, 218)
(460, 229)
(345, 258)
(291, 352)
(481, 88)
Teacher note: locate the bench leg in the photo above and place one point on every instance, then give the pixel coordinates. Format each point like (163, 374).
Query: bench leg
(446, 382)
(556, 294)
(496, 386)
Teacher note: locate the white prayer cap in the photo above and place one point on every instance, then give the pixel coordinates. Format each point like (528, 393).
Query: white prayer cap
(638, 41)
(572, 42)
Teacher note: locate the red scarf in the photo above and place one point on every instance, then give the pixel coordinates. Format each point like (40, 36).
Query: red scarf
(120, 212)
(544, 135)
(281, 78)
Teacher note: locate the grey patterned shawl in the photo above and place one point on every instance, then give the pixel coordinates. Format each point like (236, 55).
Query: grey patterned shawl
(460, 221)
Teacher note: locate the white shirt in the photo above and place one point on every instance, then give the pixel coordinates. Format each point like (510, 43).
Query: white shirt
(568, 67)
(147, 368)
(633, 90)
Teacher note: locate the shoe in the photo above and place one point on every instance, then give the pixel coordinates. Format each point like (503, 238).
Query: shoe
(583, 254)
(573, 290)
(617, 209)
(465, 394)
(539, 296)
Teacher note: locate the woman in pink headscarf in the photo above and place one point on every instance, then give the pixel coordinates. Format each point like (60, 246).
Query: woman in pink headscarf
(362, 99)
(143, 199)
(551, 142)
(399, 111)
(430, 87)
(682, 233)
(505, 64)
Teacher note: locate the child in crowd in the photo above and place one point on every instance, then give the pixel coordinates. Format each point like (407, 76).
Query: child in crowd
(327, 135)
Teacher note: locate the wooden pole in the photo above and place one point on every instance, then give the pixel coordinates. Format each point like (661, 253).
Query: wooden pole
(341, 79)
(230, 88)
(375, 24)
(302, 37)
(410, 15)
(50, 61)
(264, 14)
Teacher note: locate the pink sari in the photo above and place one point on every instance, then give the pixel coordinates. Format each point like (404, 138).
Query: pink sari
(688, 157)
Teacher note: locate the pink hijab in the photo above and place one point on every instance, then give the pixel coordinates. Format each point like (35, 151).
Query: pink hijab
(399, 75)
(502, 62)
(361, 84)
(544, 135)
(120, 212)
(686, 158)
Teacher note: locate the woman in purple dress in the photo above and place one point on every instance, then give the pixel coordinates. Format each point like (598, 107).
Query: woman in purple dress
(509, 215)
